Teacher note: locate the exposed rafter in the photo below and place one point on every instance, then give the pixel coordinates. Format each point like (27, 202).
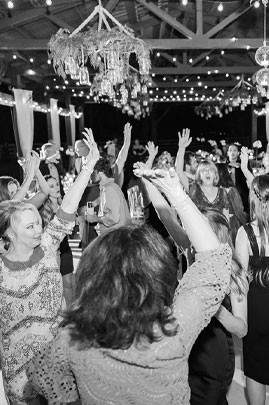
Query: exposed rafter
(59, 22)
(32, 15)
(171, 43)
(228, 20)
(190, 70)
(199, 17)
(172, 21)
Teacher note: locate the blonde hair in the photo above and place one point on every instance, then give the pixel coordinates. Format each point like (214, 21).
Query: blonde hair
(8, 211)
(207, 164)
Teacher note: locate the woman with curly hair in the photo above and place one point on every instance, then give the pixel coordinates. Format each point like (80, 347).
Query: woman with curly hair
(252, 247)
(127, 338)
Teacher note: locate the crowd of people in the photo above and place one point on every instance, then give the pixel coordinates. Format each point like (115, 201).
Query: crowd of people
(149, 315)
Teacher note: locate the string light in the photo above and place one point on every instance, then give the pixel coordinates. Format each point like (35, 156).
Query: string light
(207, 57)
(220, 7)
(184, 2)
(48, 3)
(31, 60)
(222, 52)
(256, 4)
(49, 62)
(14, 57)
(10, 5)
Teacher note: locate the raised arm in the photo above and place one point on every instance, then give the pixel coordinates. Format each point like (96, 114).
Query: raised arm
(153, 152)
(184, 141)
(30, 166)
(73, 196)
(123, 153)
(244, 166)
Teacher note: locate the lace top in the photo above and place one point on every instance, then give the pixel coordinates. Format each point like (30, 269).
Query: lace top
(31, 300)
(153, 375)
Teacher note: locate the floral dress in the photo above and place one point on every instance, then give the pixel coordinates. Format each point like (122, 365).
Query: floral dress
(31, 300)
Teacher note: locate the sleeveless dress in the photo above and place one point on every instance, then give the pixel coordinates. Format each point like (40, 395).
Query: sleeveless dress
(201, 201)
(256, 342)
(211, 363)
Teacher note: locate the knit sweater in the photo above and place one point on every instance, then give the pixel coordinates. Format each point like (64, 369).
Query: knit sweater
(31, 299)
(149, 374)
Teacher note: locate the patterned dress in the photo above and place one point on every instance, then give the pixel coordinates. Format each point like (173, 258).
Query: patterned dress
(149, 374)
(31, 300)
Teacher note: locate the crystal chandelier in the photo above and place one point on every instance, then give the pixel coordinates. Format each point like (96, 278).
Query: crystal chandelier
(107, 50)
(261, 77)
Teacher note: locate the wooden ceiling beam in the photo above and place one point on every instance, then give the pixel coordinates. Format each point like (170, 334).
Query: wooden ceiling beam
(185, 85)
(214, 70)
(32, 15)
(228, 20)
(171, 43)
(199, 17)
(59, 22)
(167, 18)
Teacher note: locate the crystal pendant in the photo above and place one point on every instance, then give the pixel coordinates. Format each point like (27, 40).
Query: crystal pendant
(84, 76)
(262, 56)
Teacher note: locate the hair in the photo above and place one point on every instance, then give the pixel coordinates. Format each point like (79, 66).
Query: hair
(204, 164)
(124, 291)
(234, 144)
(4, 182)
(259, 210)
(46, 211)
(8, 211)
(187, 158)
(103, 165)
(225, 179)
(221, 228)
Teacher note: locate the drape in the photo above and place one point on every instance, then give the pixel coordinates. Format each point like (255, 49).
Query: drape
(73, 124)
(25, 119)
(55, 122)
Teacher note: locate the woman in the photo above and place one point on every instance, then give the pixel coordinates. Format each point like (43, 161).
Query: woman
(47, 212)
(127, 337)
(211, 362)
(11, 189)
(236, 208)
(252, 248)
(30, 282)
(205, 192)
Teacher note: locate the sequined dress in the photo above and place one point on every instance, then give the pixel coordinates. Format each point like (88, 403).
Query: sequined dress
(31, 300)
(153, 374)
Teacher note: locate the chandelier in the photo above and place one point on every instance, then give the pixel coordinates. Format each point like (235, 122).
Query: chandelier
(107, 50)
(261, 77)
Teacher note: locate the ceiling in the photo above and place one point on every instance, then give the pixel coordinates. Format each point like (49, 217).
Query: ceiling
(194, 46)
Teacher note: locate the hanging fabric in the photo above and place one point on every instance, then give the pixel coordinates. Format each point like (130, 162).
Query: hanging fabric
(55, 123)
(25, 119)
(73, 124)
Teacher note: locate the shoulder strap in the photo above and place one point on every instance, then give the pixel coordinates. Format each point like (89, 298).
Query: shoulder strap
(252, 239)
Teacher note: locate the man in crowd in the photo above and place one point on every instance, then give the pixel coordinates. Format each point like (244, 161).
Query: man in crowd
(113, 209)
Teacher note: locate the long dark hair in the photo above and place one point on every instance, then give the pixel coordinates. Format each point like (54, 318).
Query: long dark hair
(225, 179)
(259, 211)
(126, 281)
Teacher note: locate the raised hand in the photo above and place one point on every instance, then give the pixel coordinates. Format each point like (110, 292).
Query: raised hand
(36, 158)
(184, 140)
(152, 149)
(127, 132)
(244, 156)
(93, 154)
(166, 181)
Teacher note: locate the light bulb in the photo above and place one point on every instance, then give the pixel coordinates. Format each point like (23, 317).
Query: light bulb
(256, 4)
(48, 3)
(10, 4)
(220, 7)
(184, 2)
(31, 60)
(14, 57)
